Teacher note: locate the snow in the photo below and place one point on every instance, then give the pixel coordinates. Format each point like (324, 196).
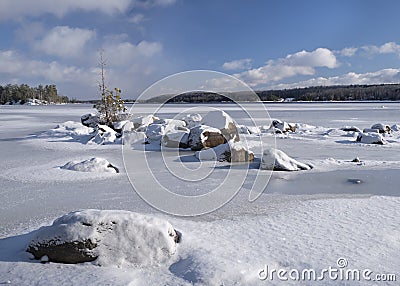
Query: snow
(304, 219)
(96, 165)
(123, 238)
(70, 128)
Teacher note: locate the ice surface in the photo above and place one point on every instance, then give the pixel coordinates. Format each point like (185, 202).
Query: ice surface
(302, 220)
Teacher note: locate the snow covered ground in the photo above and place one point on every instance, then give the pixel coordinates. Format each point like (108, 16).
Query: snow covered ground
(303, 220)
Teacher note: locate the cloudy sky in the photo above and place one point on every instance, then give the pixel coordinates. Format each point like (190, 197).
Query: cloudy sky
(267, 44)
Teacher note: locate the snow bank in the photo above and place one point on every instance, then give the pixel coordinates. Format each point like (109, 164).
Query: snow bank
(69, 128)
(96, 165)
(107, 237)
(274, 159)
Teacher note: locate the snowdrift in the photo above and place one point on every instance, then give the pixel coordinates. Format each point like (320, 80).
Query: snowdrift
(96, 165)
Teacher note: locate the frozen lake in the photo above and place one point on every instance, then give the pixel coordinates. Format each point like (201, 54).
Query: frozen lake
(303, 219)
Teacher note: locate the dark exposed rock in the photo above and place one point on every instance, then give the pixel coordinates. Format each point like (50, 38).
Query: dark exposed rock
(66, 252)
(90, 120)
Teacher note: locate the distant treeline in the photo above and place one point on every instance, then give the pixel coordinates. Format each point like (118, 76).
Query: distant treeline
(317, 93)
(13, 93)
(336, 93)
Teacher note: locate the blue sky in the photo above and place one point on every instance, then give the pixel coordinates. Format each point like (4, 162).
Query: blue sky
(267, 44)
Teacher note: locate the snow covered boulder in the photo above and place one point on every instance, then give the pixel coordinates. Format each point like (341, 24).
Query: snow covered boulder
(143, 121)
(176, 139)
(97, 165)
(222, 121)
(205, 137)
(351, 129)
(134, 137)
(274, 159)
(282, 127)
(371, 138)
(172, 124)
(167, 131)
(90, 120)
(218, 153)
(381, 127)
(104, 135)
(240, 153)
(370, 130)
(395, 127)
(154, 132)
(234, 152)
(106, 237)
(123, 126)
(192, 120)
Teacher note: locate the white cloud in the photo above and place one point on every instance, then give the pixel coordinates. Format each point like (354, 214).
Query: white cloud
(387, 48)
(14, 65)
(11, 9)
(126, 53)
(378, 77)
(320, 57)
(301, 63)
(237, 64)
(65, 42)
(153, 3)
(137, 19)
(390, 47)
(17, 10)
(348, 52)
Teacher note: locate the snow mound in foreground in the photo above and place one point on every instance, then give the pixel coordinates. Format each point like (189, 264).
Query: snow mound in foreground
(106, 237)
(274, 159)
(96, 165)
